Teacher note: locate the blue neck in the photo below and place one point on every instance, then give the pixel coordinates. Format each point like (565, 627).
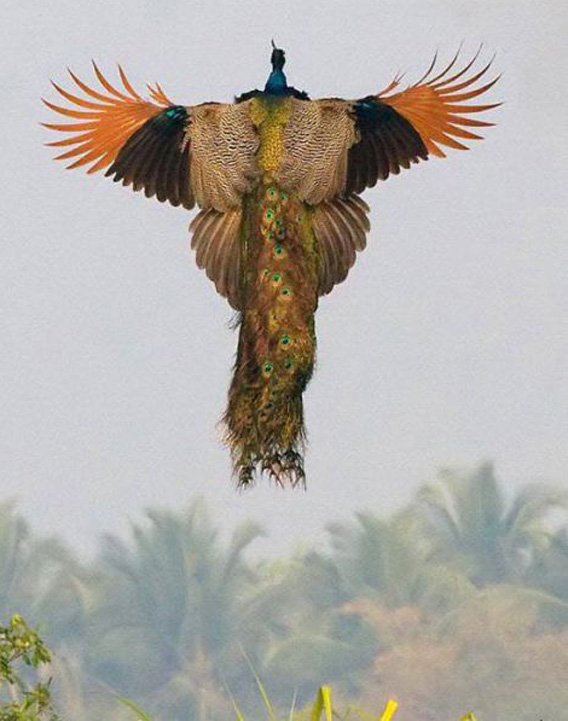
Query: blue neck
(276, 84)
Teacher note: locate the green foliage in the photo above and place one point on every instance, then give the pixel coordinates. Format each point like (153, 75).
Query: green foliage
(21, 646)
(444, 604)
(472, 528)
(172, 613)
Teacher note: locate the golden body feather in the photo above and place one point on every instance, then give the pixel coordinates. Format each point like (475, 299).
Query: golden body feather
(277, 178)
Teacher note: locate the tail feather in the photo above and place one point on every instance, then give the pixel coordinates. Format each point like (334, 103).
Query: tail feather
(276, 351)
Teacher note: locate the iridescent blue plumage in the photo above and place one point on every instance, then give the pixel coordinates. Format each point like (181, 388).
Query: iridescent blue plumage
(276, 84)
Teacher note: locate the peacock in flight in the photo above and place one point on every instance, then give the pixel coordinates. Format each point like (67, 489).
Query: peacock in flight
(278, 180)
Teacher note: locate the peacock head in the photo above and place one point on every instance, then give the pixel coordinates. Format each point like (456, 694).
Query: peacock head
(278, 57)
(277, 83)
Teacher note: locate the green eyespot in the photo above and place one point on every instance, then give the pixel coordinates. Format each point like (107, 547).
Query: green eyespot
(288, 364)
(283, 195)
(285, 340)
(271, 192)
(279, 250)
(276, 278)
(270, 235)
(267, 367)
(286, 291)
(269, 214)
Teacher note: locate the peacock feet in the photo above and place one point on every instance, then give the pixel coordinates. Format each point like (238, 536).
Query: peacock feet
(285, 468)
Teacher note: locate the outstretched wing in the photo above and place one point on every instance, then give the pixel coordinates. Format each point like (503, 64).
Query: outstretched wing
(144, 142)
(347, 146)
(200, 154)
(187, 155)
(395, 130)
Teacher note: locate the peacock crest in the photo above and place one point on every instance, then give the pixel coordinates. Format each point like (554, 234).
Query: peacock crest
(277, 178)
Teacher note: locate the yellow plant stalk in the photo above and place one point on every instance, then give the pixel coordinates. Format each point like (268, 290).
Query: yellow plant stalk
(323, 702)
(389, 711)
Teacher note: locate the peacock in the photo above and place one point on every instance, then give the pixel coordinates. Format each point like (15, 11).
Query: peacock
(277, 178)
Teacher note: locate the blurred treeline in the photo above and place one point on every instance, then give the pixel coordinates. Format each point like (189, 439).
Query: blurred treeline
(457, 602)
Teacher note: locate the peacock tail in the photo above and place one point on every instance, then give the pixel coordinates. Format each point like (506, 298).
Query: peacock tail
(278, 179)
(276, 350)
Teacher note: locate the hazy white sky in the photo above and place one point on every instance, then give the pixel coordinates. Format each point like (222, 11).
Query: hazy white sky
(447, 344)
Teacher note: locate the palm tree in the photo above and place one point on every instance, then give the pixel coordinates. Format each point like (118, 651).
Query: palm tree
(471, 526)
(380, 558)
(28, 567)
(167, 627)
(389, 561)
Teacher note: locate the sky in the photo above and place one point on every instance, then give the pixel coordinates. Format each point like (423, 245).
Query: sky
(447, 344)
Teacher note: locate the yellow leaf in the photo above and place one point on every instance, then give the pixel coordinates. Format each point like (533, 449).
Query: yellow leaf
(389, 711)
(323, 703)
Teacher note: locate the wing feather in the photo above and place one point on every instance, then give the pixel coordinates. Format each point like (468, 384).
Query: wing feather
(203, 153)
(435, 107)
(397, 129)
(216, 241)
(340, 226)
(115, 117)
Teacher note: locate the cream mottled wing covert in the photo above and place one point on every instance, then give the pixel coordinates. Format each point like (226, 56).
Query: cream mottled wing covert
(317, 138)
(186, 155)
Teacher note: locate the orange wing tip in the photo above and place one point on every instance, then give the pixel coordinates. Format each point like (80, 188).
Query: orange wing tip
(109, 119)
(87, 90)
(127, 86)
(392, 85)
(436, 104)
(158, 95)
(427, 73)
(447, 69)
(106, 85)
